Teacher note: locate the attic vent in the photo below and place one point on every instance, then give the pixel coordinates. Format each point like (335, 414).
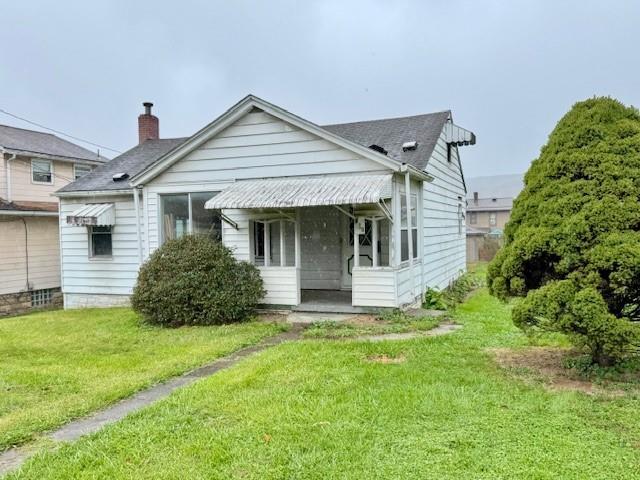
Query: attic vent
(118, 177)
(409, 146)
(378, 149)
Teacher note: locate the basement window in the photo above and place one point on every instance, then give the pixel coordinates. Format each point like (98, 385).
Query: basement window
(41, 298)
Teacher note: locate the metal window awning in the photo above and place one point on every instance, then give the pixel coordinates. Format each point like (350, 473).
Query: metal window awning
(98, 214)
(304, 192)
(458, 136)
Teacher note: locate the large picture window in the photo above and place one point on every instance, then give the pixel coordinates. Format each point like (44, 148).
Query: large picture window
(184, 213)
(100, 244)
(41, 171)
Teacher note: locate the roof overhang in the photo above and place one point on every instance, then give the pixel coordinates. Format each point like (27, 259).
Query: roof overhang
(93, 214)
(93, 193)
(46, 156)
(295, 192)
(243, 107)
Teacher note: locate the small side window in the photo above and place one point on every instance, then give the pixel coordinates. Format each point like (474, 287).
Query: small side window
(493, 219)
(473, 218)
(41, 171)
(449, 152)
(100, 242)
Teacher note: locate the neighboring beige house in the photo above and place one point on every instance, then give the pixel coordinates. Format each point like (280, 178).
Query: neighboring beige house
(489, 204)
(33, 165)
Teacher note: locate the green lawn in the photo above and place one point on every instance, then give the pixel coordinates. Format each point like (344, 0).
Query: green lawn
(319, 409)
(58, 365)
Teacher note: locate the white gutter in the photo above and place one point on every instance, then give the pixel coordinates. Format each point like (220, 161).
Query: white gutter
(27, 213)
(92, 193)
(136, 206)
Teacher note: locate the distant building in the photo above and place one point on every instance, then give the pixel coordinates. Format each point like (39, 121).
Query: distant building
(33, 165)
(489, 204)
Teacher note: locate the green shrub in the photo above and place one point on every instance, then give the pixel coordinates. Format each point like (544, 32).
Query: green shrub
(572, 246)
(196, 281)
(433, 300)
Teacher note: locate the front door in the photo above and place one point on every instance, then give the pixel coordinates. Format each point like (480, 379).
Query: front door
(366, 249)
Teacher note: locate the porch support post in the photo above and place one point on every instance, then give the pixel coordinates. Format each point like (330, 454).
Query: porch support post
(283, 258)
(297, 239)
(356, 244)
(267, 244)
(374, 228)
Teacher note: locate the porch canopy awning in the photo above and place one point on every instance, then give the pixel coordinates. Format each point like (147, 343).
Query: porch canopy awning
(304, 192)
(98, 214)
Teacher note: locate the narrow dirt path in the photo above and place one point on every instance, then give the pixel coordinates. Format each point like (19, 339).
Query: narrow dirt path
(15, 457)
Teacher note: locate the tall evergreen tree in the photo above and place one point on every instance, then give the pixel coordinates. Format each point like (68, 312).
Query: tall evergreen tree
(572, 246)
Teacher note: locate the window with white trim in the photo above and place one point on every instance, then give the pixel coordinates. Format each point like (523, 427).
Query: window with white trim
(41, 171)
(493, 219)
(100, 241)
(404, 227)
(473, 218)
(80, 170)
(274, 240)
(184, 213)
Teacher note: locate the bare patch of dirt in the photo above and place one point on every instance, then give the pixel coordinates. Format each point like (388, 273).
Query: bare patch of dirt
(272, 317)
(386, 359)
(364, 320)
(549, 364)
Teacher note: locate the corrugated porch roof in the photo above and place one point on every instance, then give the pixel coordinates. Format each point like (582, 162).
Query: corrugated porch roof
(304, 192)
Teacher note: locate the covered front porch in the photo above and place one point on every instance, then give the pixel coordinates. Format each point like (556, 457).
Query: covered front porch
(328, 244)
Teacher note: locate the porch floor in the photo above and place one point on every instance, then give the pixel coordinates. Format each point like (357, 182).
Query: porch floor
(328, 301)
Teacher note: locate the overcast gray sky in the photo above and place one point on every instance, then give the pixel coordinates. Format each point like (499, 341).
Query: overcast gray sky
(507, 69)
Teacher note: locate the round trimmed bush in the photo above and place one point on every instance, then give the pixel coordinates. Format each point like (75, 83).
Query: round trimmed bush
(196, 281)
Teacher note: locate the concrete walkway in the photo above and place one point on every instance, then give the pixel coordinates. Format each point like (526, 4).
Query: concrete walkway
(442, 329)
(13, 458)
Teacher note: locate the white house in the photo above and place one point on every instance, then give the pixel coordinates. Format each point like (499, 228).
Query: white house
(365, 214)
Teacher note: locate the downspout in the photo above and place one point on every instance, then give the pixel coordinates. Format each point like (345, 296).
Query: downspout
(26, 250)
(8, 172)
(136, 206)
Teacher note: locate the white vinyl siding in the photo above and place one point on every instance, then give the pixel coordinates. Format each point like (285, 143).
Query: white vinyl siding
(282, 285)
(374, 287)
(444, 246)
(116, 275)
(261, 146)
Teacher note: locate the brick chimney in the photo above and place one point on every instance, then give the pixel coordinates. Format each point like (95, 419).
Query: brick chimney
(475, 198)
(148, 125)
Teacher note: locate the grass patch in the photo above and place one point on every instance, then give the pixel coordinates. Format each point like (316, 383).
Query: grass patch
(58, 365)
(394, 321)
(428, 408)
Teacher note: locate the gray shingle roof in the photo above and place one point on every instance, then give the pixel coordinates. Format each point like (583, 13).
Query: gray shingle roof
(20, 140)
(391, 133)
(132, 162)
